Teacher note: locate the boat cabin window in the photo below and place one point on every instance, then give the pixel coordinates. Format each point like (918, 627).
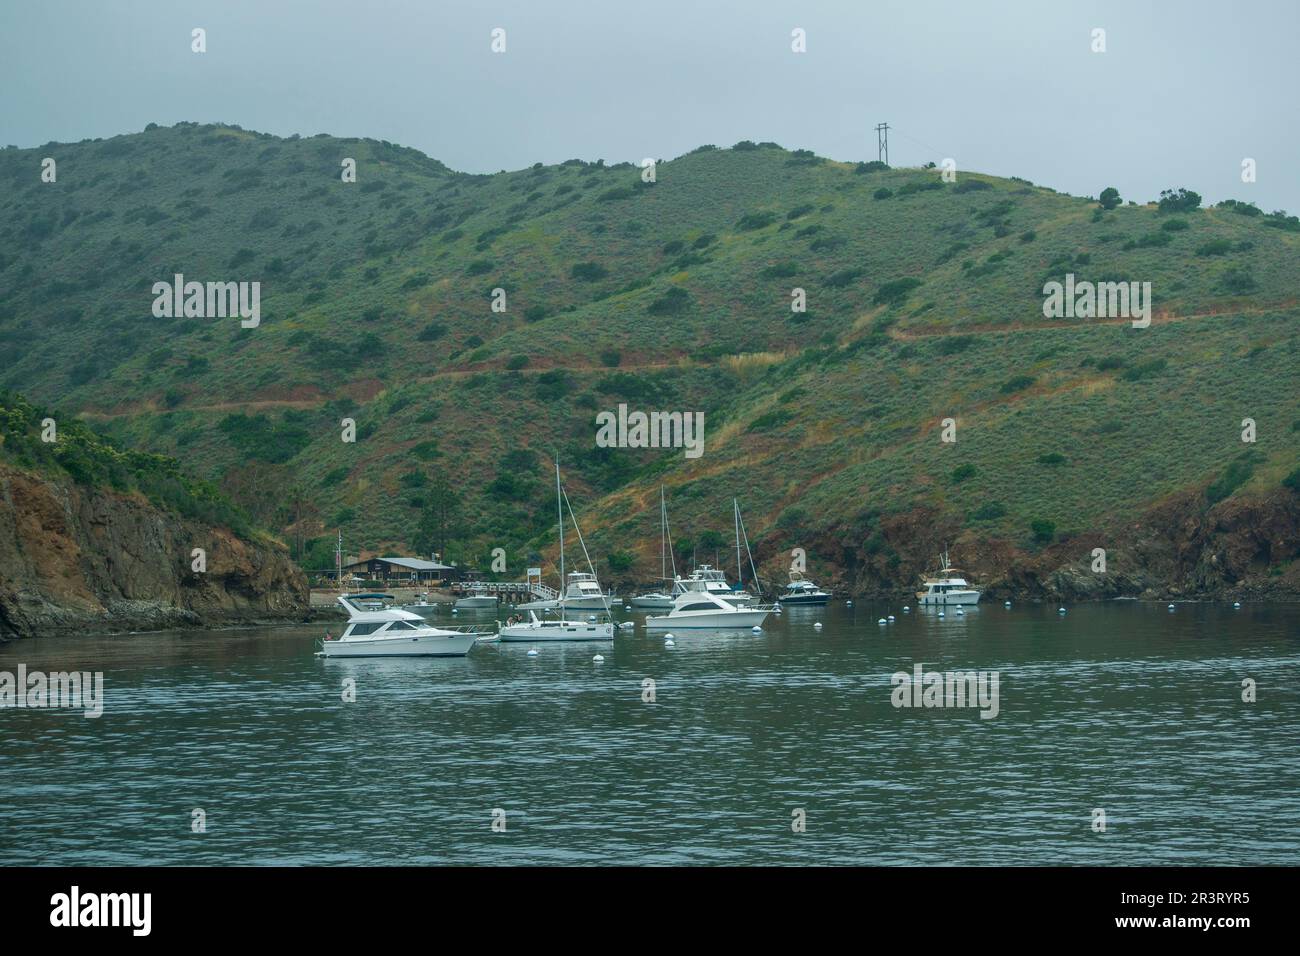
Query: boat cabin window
(367, 627)
(703, 606)
(402, 626)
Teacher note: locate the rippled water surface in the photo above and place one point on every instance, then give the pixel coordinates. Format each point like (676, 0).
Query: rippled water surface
(1125, 707)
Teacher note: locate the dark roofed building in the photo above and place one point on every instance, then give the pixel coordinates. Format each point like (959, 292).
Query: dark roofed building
(402, 570)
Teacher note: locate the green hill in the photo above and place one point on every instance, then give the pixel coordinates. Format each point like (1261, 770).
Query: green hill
(924, 302)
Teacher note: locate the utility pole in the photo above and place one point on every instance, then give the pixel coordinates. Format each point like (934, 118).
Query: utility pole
(882, 142)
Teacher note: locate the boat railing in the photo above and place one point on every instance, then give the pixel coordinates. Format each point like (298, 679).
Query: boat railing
(469, 628)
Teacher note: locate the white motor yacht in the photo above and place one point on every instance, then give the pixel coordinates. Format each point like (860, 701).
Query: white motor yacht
(582, 593)
(474, 600)
(656, 601)
(947, 587)
(391, 632)
(701, 610)
(559, 629)
(710, 580)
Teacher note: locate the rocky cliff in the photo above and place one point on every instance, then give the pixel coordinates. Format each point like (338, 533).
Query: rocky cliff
(1245, 548)
(76, 558)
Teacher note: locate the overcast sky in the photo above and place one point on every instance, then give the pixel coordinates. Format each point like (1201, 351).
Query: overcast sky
(1184, 92)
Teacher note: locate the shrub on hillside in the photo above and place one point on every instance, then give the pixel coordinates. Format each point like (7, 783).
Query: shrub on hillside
(673, 302)
(588, 271)
(1145, 370)
(989, 512)
(1044, 530)
(895, 291)
(1238, 280)
(755, 220)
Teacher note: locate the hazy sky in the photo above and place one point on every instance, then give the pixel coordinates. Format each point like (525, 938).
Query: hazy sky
(1184, 91)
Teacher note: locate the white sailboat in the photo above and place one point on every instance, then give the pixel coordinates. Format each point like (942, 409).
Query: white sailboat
(392, 632)
(538, 629)
(658, 600)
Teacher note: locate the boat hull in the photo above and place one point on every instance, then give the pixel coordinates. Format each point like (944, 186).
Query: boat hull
(950, 599)
(422, 645)
(707, 620)
(806, 599)
(587, 603)
(554, 631)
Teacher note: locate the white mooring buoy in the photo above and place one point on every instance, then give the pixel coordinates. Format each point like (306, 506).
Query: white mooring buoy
(756, 629)
(598, 659)
(817, 626)
(1236, 604)
(532, 652)
(669, 642)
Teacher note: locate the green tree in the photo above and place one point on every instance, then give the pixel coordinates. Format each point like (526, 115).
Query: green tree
(440, 520)
(1109, 198)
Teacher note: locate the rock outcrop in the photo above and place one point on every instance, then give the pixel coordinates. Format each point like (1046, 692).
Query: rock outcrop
(75, 558)
(1245, 547)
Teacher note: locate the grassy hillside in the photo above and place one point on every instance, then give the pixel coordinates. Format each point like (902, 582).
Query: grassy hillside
(924, 303)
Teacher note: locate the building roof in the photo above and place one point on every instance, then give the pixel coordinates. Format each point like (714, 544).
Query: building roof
(416, 564)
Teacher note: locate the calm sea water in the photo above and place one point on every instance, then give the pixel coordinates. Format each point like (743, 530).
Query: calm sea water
(1125, 707)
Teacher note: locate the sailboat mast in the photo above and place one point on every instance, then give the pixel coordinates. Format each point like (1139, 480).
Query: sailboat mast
(559, 514)
(735, 513)
(663, 536)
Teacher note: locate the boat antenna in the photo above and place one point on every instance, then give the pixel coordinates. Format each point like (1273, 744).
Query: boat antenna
(604, 599)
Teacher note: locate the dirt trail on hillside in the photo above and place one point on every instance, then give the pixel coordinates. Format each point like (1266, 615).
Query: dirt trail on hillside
(1159, 318)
